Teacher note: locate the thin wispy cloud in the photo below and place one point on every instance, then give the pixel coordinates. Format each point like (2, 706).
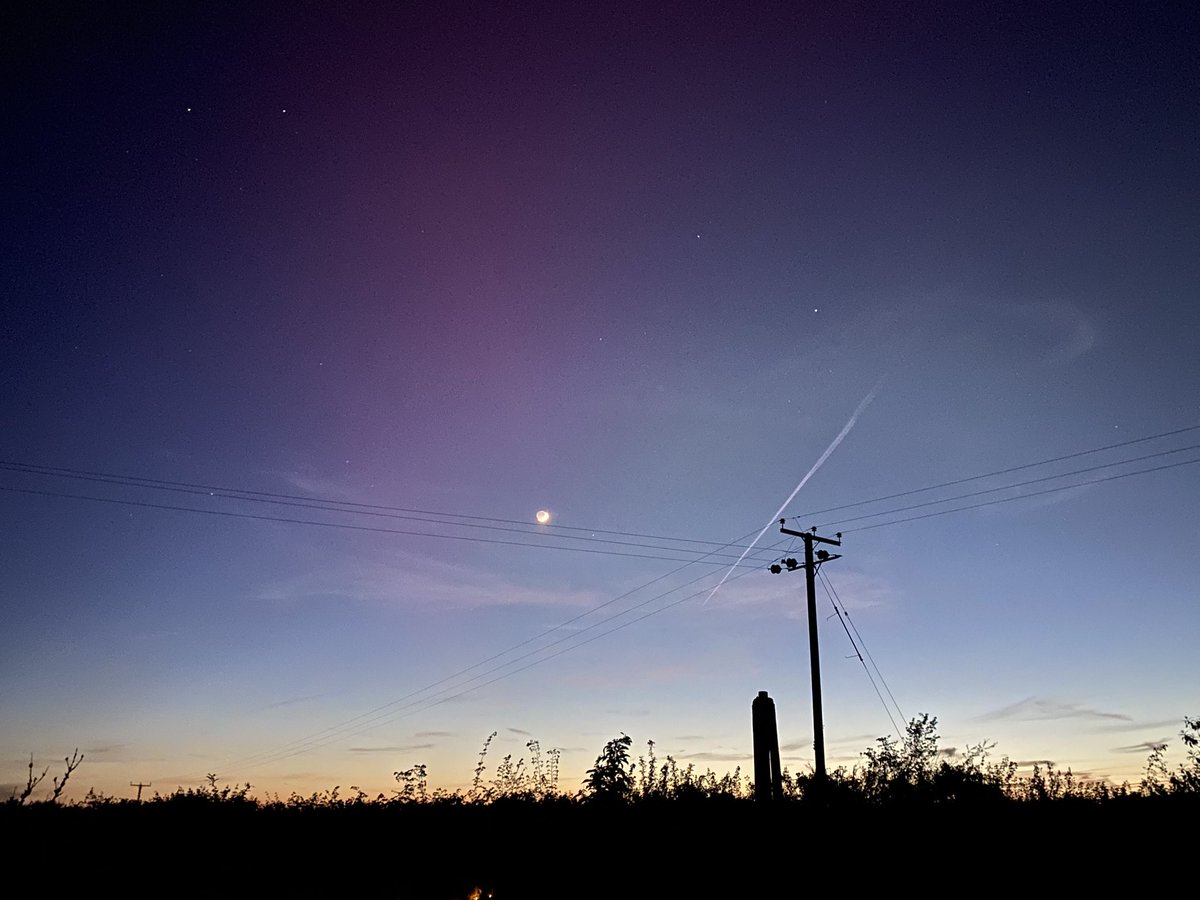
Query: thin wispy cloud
(419, 581)
(857, 739)
(1041, 709)
(1061, 494)
(292, 701)
(318, 486)
(1143, 747)
(1069, 332)
(784, 596)
(761, 597)
(398, 748)
(1138, 726)
(722, 756)
(103, 749)
(859, 591)
(635, 676)
(321, 777)
(1050, 333)
(839, 758)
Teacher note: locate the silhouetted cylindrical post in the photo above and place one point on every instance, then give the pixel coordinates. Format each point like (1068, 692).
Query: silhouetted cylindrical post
(768, 779)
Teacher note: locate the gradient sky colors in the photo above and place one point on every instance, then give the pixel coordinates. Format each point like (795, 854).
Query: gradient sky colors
(636, 267)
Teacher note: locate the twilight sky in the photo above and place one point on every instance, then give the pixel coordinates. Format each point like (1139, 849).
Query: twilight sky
(637, 266)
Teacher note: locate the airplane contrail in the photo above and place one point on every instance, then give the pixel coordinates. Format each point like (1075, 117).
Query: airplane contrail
(866, 401)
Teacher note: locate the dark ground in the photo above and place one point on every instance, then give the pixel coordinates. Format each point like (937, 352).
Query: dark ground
(530, 850)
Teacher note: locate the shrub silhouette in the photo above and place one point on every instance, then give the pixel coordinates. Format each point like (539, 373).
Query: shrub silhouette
(905, 770)
(611, 778)
(1186, 780)
(72, 763)
(911, 770)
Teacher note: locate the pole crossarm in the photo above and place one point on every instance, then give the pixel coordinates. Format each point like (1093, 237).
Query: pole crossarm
(810, 535)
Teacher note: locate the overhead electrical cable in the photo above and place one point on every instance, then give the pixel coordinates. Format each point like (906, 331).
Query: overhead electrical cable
(372, 719)
(1067, 487)
(406, 712)
(380, 530)
(860, 647)
(468, 687)
(838, 614)
(1006, 471)
(322, 502)
(867, 650)
(748, 561)
(1008, 487)
(346, 506)
(367, 721)
(443, 517)
(372, 713)
(532, 530)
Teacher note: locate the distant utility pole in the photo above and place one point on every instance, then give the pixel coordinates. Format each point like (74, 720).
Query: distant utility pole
(139, 785)
(811, 563)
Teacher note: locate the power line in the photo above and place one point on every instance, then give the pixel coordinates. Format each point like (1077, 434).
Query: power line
(377, 529)
(371, 715)
(448, 519)
(945, 512)
(371, 719)
(1010, 469)
(847, 624)
(313, 502)
(838, 613)
(415, 514)
(530, 665)
(755, 552)
(1009, 487)
(368, 721)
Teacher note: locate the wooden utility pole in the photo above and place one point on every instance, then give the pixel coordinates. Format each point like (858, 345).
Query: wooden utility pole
(811, 563)
(139, 785)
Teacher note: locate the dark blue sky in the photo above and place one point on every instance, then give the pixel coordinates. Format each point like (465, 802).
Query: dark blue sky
(636, 266)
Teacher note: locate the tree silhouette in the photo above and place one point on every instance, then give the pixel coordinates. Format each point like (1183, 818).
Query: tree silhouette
(611, 778)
